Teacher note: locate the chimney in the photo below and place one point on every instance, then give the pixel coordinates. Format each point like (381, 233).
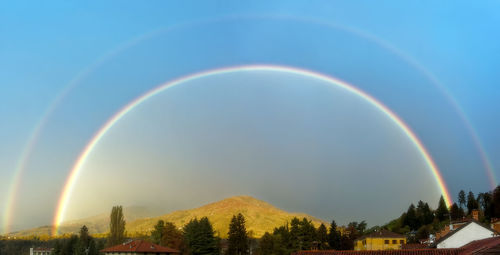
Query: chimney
(475, 214)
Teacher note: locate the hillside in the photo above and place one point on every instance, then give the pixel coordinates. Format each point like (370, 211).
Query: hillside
(260, 217)
(96, 224)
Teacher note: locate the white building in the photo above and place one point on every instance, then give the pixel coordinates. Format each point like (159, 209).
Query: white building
(465, 234)
(40, 251)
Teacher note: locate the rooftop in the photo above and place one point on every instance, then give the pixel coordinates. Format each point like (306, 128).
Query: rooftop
(140, 246)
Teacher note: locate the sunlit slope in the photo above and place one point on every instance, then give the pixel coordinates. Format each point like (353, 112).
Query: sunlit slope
(260, 216)
(96, 224)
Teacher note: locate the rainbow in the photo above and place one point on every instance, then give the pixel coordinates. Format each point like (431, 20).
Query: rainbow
(77, 167)
(17, 176)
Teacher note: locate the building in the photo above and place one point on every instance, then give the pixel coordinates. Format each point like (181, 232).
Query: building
(380, 240)
(488, 246)
(40, 251)
(466, 233)
(139, 247)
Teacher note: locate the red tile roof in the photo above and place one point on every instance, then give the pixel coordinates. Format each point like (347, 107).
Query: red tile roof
(411, 246)
(140, 246)
(476, 247)
(386, 252)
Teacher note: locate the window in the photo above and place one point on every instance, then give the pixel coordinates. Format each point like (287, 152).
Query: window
(386, 241)
(401, 241)
(394, 241)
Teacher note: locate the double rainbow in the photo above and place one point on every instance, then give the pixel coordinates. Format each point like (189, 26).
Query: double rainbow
(77, 167)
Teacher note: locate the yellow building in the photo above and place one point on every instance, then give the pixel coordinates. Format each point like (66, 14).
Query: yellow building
(380, 240)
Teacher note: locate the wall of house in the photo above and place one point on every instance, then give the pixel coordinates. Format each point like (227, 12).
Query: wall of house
(379, 244)
(465, 235)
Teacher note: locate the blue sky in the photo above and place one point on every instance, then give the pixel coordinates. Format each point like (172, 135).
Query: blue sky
(121, 49)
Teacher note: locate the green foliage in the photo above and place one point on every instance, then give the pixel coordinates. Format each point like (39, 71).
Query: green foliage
(157, 233)
(471, 203)
(172, 237)
(334, 236)
(456, 212)
(237, 236)
(461, 198)
(322, 237)
(116, 226)
(442, 210)
(199, 237)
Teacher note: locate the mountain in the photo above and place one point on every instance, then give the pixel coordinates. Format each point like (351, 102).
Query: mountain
(260, 217)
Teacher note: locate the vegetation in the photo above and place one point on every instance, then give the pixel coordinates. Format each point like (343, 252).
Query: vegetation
(238, 241)
(116, 226)
(198, 236)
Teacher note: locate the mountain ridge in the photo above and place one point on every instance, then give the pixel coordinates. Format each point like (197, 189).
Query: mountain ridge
(260, 217)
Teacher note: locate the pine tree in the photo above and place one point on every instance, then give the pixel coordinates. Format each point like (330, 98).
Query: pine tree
(461, 198)
(334, 236)
(442, 210)
(83, 241)
(322, 237)
(116, 226)
(199, 237)
(237, 236)
(295, 241)
(411, 219)
(455, 212)
(471, 203)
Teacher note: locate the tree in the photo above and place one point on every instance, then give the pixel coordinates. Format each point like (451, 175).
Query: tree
(266, 246)
(199, 237)
(157, 233)
(471, 203)
(461, 198)
(116, 226)
(70, 245)
(411, 219)
(322, 237)
(496, 202)
(485, 201)
(334, 236)
(172, 237)
(82, 246)
(442, 210)
(456, 212)
(237, 236)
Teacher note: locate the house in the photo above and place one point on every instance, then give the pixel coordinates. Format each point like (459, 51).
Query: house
(380, 240)
(386, 252)
(488, 246)
(40, 251)
(139, 247)
(468, 232)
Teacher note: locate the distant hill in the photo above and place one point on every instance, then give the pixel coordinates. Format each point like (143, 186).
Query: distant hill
(260, 217)
(96, 224)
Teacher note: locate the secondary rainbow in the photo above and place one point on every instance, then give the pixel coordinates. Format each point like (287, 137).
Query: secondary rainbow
(77, 167)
